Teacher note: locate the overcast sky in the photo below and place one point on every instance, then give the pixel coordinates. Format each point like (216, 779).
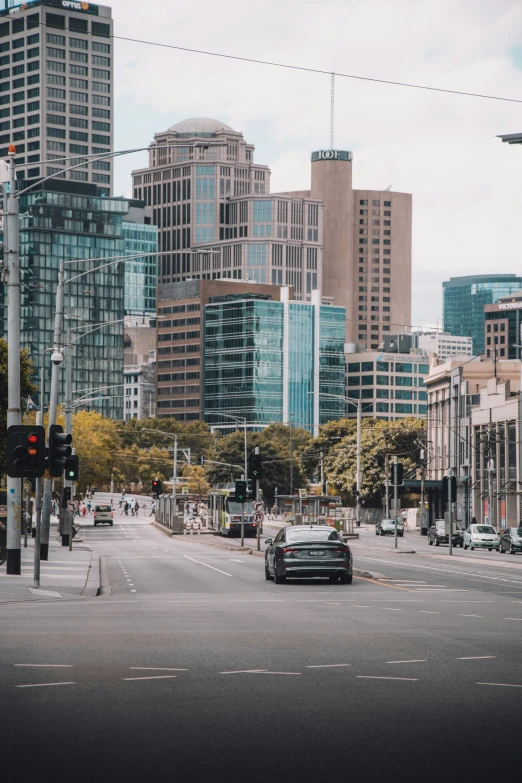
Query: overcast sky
(466, 184)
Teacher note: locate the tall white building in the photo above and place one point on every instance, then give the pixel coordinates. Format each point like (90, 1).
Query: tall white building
(446, 346)
(56, 76)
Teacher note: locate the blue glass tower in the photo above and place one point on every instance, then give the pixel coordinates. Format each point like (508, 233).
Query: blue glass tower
(464, 299)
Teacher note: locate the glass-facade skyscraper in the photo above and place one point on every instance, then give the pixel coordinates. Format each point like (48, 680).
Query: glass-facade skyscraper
(270, 361)
(140, 273)
(70, 221)
(464, 299)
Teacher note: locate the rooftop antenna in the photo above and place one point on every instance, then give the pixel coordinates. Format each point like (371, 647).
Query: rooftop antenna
(332, 109)
(389, 187)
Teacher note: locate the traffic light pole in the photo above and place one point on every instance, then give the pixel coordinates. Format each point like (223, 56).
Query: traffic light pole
(67, 516)
(53, 401)
(395, 495)
(259, 526)
(14, 498)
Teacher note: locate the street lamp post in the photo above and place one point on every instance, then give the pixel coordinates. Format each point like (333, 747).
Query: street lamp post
(238, 419)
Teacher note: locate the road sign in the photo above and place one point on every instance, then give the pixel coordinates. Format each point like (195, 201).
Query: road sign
(258, 505)
(258, 517)
(72, 505)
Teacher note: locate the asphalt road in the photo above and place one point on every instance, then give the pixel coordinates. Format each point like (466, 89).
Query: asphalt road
(197, 668)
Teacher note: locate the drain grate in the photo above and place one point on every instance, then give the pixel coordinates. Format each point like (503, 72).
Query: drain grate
(47, 593)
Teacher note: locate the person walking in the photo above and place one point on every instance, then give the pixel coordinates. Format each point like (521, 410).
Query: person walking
(136, 508)
(84, 510)
(89, 506)
(153, 508)
(126, 508)
(404, 516)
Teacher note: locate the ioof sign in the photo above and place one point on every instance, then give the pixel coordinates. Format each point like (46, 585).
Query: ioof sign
(72, 505)
(258, 517)
(258, 505)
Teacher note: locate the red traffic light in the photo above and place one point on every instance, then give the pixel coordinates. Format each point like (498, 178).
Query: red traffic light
(33, 438)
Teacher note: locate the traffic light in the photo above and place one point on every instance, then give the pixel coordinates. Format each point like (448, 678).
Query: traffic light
(72, 468)
(201, 460)
(241, 491)
(66, 496)
(59, 450)
(449, 489)
(156, 487)
(255, 467)
(25, 451)
(397, 474)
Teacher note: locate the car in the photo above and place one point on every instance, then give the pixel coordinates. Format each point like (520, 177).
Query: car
(511, 540)
(481, 537)
(307, 551)
(103, 514)
(438, 535)
(388, 526)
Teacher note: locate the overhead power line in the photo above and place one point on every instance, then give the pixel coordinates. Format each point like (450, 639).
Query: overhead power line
(330, 73)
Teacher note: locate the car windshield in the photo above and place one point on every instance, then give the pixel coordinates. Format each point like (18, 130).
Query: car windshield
(235, 508)
(484, 529)
(517, 531)
(103, 508)
(312, 535)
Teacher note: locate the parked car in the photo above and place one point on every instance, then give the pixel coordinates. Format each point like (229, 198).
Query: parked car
(103, 514)
(308, 551)
(511, 540)
(481, 537)
(388, 526)
(437, 534)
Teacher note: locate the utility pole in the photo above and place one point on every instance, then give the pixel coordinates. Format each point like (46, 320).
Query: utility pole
(256, 451)
(27, 510)
(14, 415)
(358, 479)
(67, 516)
(450, 498)
(53, 401)
(323, 489)
(387, 485)
(424, 527)
(395, 494)
(291, 457)
(491, 494)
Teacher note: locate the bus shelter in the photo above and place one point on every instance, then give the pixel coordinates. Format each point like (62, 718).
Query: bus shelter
(310, 510)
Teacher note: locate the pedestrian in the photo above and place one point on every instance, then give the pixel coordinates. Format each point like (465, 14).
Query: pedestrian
(153, 508)
(126, 508)
(121, 502)
(88, 506)
(136, 507)
(404, 519)
(84, 510)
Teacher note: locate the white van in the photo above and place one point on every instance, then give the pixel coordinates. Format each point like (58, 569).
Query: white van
(103, 515)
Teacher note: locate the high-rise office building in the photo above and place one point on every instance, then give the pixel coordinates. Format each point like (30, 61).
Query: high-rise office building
(464, 299)
(56, 76)
(216, 216)
(140, 273)
(366, 250)
(443, 344)
(503, 328)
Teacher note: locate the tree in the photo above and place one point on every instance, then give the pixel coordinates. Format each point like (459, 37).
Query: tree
(98, 446)
(194, 435)
(330, 434)
(276, 473)
(197, 483)
(401, 438)
(26, 389)
(154, 463)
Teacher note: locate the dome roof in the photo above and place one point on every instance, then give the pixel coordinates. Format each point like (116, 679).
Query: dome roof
(198, 125)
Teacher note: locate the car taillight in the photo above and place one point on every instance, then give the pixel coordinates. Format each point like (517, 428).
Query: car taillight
(287, 549)
(254, 524)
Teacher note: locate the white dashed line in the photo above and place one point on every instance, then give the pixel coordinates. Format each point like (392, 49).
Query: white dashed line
(155, 669)
(371, 677)
(475, 658)
(360, 606)
(328, 665)
(207, 565)
(419, 660)
(160, 677)
(470, 615)
(47, 665)
(44, 684)
(519, 619)
(423, 611)
(500, 684)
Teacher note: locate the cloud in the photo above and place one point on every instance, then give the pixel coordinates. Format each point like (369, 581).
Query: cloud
(438, 146)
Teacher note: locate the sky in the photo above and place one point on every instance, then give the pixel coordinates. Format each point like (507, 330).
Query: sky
(442, 148)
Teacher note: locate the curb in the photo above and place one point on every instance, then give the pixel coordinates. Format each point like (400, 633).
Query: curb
(162, 529)
(92, 584)
(105, 583)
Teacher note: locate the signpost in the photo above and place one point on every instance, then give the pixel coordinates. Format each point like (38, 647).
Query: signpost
(72, 505)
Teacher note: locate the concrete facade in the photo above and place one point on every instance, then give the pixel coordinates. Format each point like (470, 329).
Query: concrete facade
(443, 344)
(366, 250)
(56, 84)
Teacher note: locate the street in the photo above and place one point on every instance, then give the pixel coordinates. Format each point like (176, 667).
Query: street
(193, 665)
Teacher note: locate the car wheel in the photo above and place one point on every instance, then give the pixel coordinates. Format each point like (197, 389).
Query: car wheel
(490, 549)
(267, 573)
(400, 535)
(111, 523)
(437, 542)
(461, 545)
(511, 550)
(95, 524)
(279, 580)
(346, 579)
(472, 548)
(382, 532)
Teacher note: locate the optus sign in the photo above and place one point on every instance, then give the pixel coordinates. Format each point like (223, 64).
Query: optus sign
(331, 155)
(75, 6)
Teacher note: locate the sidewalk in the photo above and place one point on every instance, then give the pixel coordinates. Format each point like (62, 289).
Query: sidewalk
(65, 575)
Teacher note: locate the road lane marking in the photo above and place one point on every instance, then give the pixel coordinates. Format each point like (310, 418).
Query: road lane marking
(423, 611)
(156, 677)
(372, 677)
(418, 660)
(390, 609)
(475, 657)
(44, 684)
(245, 671)
(156, 669)
(47, 665)
(500, 684)
(382, 584)
(360, 606)
(327, 665)
(519, 619)
(133, 591)
(443, 570)
(207, 565)
(470, 615)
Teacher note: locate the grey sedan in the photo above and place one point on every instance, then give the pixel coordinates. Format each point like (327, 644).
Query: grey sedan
(308, 551)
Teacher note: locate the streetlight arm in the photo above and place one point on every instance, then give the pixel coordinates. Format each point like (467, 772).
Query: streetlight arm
(94, 269)
(99, 326)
